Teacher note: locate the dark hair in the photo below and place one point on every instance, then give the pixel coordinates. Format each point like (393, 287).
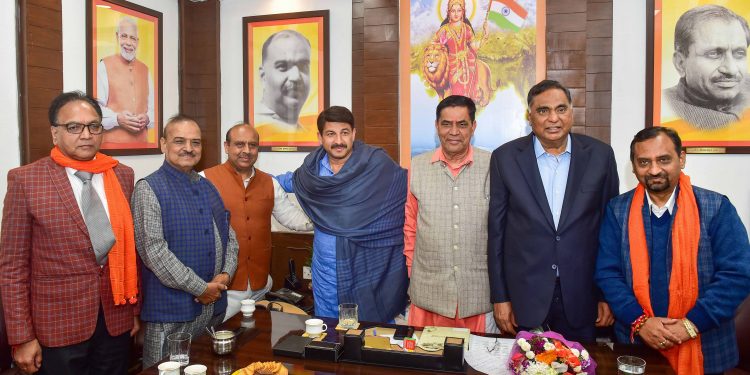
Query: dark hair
(466, 19)
(456, 101)
(653, 132)
(335, 114)
(238, 125)
(180, 117)
(68, 97)
(683, 31)
(545, 85)
(280, 34)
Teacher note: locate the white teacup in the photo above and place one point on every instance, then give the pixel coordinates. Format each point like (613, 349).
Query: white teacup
(314, 327)
(196, 370)
(169, 368)
(247, 307)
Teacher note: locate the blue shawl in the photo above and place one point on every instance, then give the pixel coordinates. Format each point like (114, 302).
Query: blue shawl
(363, 206)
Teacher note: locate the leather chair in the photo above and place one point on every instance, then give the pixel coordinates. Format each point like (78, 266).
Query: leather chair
(742, 324)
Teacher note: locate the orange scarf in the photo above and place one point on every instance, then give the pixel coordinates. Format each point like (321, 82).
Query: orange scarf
(686, 358)
(123, 272)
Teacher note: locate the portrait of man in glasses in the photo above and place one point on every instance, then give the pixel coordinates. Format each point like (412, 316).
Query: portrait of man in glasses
(125, 89)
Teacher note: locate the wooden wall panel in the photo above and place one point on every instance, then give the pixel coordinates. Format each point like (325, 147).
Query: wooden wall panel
(39, 71)
(378, 86)
(579, 55)
(200, 76)
(358, 67)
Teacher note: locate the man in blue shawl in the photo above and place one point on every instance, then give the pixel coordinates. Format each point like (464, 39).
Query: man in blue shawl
(355, 196)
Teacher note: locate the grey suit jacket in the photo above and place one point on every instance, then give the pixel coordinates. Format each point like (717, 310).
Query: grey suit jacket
(525, 250)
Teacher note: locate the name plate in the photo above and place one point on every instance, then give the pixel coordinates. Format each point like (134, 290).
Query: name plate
(706, 150)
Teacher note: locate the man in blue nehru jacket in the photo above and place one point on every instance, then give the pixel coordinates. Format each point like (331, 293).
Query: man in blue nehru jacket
(188, 249)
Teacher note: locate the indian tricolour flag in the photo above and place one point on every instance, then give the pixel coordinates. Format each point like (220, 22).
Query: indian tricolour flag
(507, 14)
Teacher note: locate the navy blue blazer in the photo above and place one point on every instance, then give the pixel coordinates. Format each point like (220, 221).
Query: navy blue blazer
(524, 250)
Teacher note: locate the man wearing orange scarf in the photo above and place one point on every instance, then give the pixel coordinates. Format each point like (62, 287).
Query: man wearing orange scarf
(69, 297)
(674, 261)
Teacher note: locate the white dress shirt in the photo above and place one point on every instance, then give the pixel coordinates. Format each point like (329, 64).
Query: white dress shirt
(97, 182)
(658, 211)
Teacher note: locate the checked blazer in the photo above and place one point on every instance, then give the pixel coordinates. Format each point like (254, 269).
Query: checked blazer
(50, 283)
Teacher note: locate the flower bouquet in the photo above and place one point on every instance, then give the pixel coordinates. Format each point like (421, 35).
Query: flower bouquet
(548, 353)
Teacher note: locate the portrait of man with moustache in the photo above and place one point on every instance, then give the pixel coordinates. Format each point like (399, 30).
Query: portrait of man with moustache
(710, 55)
(285, 75)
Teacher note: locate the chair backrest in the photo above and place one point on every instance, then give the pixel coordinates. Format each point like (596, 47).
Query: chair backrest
(742, 324)
(5, 356)
(281, 306)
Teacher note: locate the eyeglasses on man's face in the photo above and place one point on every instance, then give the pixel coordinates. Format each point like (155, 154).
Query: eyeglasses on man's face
(77, 127)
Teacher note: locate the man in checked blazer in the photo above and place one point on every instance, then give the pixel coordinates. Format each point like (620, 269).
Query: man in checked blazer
(63, 311)
(548, 191)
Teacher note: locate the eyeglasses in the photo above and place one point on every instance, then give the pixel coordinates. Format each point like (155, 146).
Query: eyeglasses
(77, 127)
(493, 347)
(546, 111)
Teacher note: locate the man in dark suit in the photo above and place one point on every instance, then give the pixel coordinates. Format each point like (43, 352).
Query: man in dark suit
(68, 263)
(548, 191)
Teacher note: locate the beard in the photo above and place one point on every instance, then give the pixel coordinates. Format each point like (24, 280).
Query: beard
(130, 56)
(657, 187)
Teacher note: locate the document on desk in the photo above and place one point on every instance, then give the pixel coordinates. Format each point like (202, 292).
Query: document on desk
(488, 354)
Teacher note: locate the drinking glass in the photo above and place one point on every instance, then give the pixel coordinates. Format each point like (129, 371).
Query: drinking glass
(629, 365)
(179, 347)
(348, 318)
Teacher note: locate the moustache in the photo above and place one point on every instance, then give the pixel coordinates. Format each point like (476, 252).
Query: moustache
(187, 153)
(341, 145)
(294, 88)
(661, 175)
(726, 78)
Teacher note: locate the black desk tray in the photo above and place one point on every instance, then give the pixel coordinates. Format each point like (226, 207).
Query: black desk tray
(452, 359)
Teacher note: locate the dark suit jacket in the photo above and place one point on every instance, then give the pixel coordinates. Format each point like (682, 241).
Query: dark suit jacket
(51, 285)
(523, 244)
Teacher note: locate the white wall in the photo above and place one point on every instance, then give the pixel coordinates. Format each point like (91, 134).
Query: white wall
(340, 39)
(727, 174)
(74, 63)
(10, 140)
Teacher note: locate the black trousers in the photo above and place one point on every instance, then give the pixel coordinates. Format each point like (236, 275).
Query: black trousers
(558, 322)
(102, 354)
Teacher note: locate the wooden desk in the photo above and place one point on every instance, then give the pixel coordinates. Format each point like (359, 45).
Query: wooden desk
(254, 344)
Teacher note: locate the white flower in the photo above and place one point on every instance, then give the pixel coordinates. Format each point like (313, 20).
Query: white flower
(559, 367)
(585, 355)
(575, 352)
(549, 346)
(530, 354)
(577, 369)
(524, 345)
(540, 368)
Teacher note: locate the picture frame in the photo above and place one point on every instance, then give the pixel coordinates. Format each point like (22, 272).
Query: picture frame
(286, 79)
(124, 74)
(685, 89)
(505, 44)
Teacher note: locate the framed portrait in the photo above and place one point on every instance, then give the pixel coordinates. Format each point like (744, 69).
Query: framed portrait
(286, 77)
(124, 74)
(492, 51)
(697, 72)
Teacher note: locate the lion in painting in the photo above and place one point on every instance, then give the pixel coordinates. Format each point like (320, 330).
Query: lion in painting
(435, 71)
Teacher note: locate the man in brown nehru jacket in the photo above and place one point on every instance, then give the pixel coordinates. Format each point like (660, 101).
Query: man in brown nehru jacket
(251, 196)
